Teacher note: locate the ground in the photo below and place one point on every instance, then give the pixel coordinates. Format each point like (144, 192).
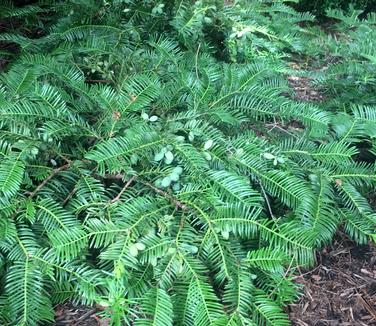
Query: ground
(69, 314)
(340, 290)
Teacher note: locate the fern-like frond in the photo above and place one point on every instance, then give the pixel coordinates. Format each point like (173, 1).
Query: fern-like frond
(269, 259)
(26, 290)
(202, 305)
(267, 312)
(238, 294)
(234, 186)
(157, 307)
(11, 175)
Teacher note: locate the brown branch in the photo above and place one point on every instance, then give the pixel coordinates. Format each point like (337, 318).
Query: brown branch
(120, 176)
(367, 306)
(175, 201)
(44, 182)
(275, 125)
(123, 190)
(70, 195)
(103, 81)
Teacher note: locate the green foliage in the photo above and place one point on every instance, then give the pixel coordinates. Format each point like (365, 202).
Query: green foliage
(320, 7)
(139, 171)
(352, 78)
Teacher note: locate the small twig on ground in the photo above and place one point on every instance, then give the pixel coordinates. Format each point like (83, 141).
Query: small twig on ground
(84, 316)
(275, 125)
(307, 273)
(367, 306)
(123, 190)
(347, 292)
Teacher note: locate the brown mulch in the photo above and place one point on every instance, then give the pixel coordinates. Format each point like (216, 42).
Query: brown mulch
(303, 89)
(340, 290)
(68, 314)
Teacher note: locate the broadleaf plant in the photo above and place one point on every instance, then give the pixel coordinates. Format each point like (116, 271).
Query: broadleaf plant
(146, 170)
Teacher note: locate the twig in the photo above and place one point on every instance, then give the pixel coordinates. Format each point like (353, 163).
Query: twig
(123, 190)
(198, 50)
(177, 202)
(285, 275)
(275, 125)
(103, 81)
(85, 316)
(348, 291)
(69, 196)
(290, 266)
(267, 201)
(307, 273)
(119, 176)
(44, 182)
(367, 306)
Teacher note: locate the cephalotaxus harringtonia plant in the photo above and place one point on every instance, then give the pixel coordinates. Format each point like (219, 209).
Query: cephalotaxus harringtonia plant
(137, 170)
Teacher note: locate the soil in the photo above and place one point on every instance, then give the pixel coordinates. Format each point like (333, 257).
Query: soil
(340, 290)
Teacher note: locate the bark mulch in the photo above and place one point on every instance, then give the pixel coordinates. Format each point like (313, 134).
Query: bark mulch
(340, 290)
(69, 314)
(303, 89)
